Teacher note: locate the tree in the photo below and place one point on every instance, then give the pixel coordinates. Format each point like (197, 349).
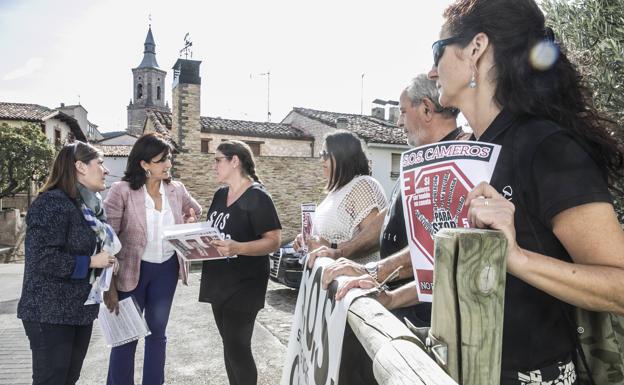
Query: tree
(25, 157)
(592, 31)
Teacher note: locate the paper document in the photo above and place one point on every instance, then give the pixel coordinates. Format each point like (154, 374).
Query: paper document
(127, 326)
(192, 241)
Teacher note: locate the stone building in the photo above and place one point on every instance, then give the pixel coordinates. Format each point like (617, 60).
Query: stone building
(57, 126)
(383, 141)
(148, 88)
(116, 147)
(284, 154)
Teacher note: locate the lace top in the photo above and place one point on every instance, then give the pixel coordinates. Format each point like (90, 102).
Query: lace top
(337, 217)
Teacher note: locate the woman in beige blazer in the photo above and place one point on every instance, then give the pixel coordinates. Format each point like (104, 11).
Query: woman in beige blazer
(138, 208)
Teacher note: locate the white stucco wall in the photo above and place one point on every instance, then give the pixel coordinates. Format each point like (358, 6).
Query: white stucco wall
(381, 158)
(122, 140)
(53, 124)
(116, 166)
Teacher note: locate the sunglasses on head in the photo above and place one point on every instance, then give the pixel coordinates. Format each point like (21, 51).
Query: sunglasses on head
(438, 47)
(324, 154)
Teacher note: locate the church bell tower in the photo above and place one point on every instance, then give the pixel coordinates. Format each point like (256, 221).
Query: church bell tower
(148, 88)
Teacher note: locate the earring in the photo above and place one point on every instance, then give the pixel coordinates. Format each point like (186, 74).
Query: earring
(473, 82)
(148, 174)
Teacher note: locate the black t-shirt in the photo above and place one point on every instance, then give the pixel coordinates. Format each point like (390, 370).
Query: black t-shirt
(239, 283)
(543, 170)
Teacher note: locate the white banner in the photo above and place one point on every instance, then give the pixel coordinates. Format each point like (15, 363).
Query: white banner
(435, 181)
(315, 344)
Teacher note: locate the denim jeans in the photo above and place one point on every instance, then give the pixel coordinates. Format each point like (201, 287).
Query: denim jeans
(154, 295)
(57, 351)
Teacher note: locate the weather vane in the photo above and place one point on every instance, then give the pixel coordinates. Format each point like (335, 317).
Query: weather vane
(186, 51)
(150, 20)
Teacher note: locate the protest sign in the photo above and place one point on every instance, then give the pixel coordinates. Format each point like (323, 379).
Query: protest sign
(435, 181)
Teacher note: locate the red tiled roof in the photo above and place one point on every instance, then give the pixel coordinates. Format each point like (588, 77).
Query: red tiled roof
(162, 123)
(366, 127)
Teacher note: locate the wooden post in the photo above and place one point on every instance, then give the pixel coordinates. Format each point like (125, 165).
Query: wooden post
(397, 354)
(468, 302)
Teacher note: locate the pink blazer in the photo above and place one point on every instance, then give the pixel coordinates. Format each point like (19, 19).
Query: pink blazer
(125, 209)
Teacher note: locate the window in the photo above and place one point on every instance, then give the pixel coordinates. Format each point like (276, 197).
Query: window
(139, 91)
(57, 137)
(205, 145)
(255, 147)
(158, 93)
(395, 167)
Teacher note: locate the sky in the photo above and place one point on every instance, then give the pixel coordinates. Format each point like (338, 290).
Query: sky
(82, 51)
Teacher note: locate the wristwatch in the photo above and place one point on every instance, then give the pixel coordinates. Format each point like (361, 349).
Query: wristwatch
(372, 268)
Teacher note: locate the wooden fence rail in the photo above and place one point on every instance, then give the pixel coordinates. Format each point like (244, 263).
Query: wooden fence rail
(466, 321)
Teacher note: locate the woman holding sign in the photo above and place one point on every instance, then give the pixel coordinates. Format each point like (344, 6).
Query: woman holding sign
(353, 201)
(138, 208)
(236, 286)
(503, 68)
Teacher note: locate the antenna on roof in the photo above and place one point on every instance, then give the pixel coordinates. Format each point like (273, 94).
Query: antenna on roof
(362, 96)
(268, 75)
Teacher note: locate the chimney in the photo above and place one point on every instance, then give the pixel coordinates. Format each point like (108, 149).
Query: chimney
(62, 105)
(379, 113)
(341, 123)
(185, 122)
(393, 114)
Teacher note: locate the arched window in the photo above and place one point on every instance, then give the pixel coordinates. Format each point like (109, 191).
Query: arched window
(139, 91)
(158, 93)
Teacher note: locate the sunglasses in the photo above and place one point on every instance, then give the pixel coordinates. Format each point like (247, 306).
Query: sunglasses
(324, 154)
(438, 47)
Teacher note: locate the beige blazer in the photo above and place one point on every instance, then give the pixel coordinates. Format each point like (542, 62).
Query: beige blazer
(125, 209)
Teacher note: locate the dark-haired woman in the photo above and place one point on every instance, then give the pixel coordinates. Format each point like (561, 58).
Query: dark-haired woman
(565, 245)
(236, 287)
(60, 242)
(353, 200)
(138, 208)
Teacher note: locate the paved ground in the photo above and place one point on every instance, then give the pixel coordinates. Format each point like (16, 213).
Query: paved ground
(194, 354)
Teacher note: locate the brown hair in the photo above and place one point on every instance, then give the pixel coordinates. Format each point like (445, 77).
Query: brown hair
(63, 172)
(229, 148)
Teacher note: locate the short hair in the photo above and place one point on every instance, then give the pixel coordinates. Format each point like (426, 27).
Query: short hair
(345, 150)
(145, 149)
(63, 173)
(422, 87)
(229, 148)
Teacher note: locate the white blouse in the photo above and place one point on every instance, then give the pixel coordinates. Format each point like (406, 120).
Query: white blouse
(157, 250)
(338, 216)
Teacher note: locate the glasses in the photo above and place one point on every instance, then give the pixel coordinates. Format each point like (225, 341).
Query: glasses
(438, 47)
(220, 158)
(324, 154)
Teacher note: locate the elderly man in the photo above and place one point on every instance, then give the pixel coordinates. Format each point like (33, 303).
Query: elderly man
(424, 122)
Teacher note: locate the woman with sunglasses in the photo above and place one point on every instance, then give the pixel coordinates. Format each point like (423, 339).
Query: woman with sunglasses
(502, 67)
(61, 237)
(353, 201)
(236, 286)
(138, 208)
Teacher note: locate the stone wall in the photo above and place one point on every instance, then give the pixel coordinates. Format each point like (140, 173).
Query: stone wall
(290, 181)
(10, 222)
(310, 126)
